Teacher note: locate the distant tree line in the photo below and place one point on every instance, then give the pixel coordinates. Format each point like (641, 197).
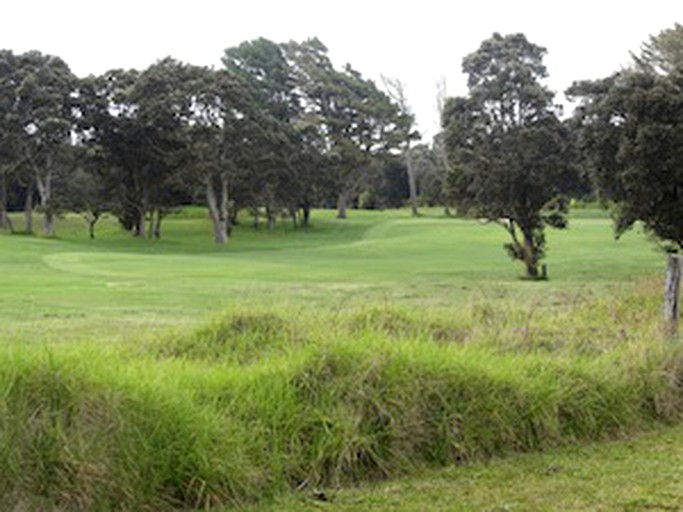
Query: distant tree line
(278, 130)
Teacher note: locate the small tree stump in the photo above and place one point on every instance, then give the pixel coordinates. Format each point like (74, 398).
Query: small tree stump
(672, 294)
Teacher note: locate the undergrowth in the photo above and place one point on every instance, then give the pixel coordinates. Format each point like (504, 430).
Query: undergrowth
(261, 402)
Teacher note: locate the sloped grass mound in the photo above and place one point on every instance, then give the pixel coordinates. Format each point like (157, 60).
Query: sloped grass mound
(241, 337)
(259, 403)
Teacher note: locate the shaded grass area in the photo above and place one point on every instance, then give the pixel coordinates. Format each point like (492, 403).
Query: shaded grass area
(260, 402)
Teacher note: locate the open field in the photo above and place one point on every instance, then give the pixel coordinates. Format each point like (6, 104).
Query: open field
(148, 375)
(115, 286)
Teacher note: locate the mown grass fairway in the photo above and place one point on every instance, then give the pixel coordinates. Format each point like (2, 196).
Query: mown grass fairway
(157, 375)
(115, 285)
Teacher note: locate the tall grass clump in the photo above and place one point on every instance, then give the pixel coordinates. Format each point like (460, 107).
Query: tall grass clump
(370, 408)
(79, 430)
(260, 402)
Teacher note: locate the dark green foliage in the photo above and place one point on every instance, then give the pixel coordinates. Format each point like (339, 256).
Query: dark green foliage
(283, 172)
(388, 189)
(663, 53)
(36, 121)
(632, 140)
(354, 124)
(278, 130)
(510, 157)
(262, 65)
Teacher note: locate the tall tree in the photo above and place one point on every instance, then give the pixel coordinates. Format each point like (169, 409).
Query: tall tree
(138, 120)
(10, 130)
(45, 112)
(663, 53)
(280, 177)
(439, 146)
(396, 90)
(356, 122)
(632, 141)
(163, 107)
(430, 174)
(220, 131)
(508, 152)
(108, 131)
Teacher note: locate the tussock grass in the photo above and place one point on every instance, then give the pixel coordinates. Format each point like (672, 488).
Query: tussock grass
(83, 430)
(257, 402)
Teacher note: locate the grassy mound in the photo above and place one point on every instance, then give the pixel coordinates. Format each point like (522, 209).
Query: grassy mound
(256, 403)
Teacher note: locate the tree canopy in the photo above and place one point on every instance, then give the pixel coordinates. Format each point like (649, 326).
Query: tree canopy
(510, 161)
(281, 129)
(632, 143)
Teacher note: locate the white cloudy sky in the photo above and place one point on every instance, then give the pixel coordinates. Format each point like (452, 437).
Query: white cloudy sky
(418, 41)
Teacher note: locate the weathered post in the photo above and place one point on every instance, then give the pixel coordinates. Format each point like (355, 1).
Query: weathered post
(672, 294)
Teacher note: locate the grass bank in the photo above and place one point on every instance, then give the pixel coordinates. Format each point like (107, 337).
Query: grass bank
(257, 403)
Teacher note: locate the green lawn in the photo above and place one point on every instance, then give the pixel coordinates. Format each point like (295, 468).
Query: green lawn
(152, 374)
(118, 286)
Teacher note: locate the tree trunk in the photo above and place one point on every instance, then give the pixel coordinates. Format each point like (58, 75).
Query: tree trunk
(45, 193)
(525, 251)
(341, 205)
(5, 221)
(157, 224)
(142, 222)
(530, 256)
(306, 208)
(92, 219)
(48, 224)
(294, 213)
(28, 210)
(232, 214)
(218, 219)
(672, 294)
(225, 213)
(412, 185)
(3, 202)
(150, 226)
(270, 217)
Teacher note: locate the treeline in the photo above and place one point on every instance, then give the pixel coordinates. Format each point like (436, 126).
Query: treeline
(278, 129)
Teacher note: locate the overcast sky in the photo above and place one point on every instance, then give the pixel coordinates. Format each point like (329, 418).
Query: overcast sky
(418, 42)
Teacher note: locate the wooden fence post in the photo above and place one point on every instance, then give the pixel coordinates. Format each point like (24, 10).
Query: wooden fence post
(672, 294)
